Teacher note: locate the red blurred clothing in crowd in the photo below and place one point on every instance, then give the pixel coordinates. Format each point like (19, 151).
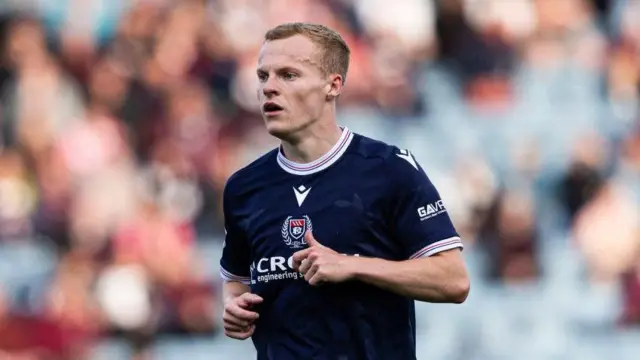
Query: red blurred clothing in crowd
(162, 245)
(41, 338)
(631, 297)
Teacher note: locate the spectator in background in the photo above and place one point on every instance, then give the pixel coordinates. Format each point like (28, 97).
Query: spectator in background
(41, 102)
(628, 178)
(17, 198)
(584, 178)
(54, 197)
(630, 315)
(510, 239)
(30, 337)
(609, 215)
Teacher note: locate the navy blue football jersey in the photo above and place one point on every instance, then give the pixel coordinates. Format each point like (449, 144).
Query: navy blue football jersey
(362, 198)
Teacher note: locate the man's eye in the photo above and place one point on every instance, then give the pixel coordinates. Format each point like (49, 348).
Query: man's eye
(262, 77)
(290, 76)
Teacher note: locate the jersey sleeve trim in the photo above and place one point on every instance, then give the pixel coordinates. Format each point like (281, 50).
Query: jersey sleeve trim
(227, 276)
(439, 246)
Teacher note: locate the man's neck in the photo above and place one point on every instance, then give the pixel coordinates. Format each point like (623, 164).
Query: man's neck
(315, 143)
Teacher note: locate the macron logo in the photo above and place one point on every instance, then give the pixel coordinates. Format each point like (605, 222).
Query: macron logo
(405, 155)
(431, 210)
(301, 193)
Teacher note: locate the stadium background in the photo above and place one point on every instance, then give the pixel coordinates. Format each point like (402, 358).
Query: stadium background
(120, 121)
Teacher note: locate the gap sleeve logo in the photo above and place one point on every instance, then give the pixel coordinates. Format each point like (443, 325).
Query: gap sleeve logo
(430, 210)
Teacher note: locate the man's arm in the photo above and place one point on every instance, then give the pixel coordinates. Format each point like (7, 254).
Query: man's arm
(433, 271)
(239, 316)
(233, 289)
(239, 303)
(441, 278)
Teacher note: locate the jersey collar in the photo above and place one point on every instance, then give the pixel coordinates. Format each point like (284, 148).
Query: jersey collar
(320, 164)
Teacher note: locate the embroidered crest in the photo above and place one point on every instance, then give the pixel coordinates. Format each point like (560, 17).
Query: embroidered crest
(293, 230)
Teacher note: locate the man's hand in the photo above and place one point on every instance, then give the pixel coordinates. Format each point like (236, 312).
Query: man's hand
(238, 319)
(320, 264)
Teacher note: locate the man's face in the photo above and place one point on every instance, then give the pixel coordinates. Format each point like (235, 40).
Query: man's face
(293, 89)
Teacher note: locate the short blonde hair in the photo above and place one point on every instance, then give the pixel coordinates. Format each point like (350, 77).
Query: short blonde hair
(336, 52)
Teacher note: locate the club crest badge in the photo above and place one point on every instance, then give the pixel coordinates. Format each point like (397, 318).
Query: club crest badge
(293, 230)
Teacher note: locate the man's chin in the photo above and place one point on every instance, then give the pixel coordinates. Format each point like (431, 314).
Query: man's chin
(284, 129)
(278, 128)
(280, 133)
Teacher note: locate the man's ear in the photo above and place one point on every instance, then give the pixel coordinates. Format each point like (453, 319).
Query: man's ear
(334, 88)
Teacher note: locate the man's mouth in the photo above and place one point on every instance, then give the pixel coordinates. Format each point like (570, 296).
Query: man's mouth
(271, 108)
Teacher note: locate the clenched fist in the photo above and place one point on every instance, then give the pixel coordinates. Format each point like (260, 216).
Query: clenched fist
(320, 264)
(238, 318)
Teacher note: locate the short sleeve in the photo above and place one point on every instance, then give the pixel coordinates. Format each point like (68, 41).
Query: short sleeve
(235, 261)
(419, 218)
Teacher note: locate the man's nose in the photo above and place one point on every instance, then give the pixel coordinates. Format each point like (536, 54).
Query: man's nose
(270, 87)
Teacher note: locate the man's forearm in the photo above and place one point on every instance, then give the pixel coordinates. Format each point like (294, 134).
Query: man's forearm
(233, 289)
(438, 279)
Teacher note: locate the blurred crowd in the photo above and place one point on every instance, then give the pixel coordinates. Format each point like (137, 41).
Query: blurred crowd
(120, 121)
